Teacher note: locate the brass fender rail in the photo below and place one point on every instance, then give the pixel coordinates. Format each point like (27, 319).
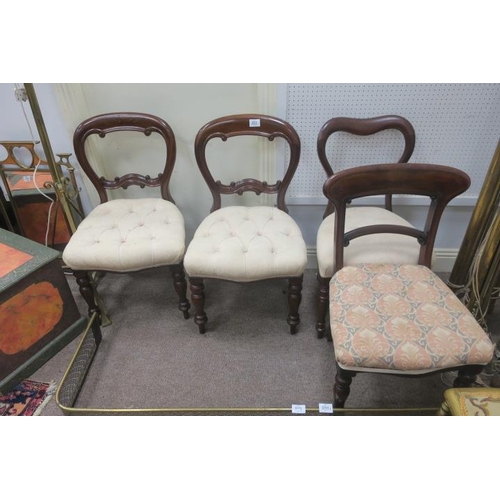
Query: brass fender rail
(74, 378)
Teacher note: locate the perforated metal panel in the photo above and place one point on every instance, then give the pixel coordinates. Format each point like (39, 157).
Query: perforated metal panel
(455, 124)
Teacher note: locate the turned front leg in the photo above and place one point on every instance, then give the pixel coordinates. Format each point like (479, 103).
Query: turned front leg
(342, 387)
(180, 286)
(198, 298)
(322, 307)
(294, 299)
(87, 292)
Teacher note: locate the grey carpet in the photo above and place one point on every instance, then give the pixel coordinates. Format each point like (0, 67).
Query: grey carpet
(150, 357)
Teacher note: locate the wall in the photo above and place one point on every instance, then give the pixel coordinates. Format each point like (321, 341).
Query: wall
(13, 124)
(455, 123)
(186, 107)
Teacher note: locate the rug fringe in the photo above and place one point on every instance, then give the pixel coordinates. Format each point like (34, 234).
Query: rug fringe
(50, 392)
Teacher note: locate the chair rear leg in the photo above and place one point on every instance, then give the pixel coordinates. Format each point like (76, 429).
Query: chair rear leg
(294, 299)
(467, 376)
(322, 307)
(198, 298)
(180, 286)
(87, 291)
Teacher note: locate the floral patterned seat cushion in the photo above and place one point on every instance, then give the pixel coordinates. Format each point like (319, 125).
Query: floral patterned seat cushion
(390, 319)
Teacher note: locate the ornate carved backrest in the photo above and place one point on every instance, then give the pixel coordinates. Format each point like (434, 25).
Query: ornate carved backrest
(363, 127)
(116, 122)
(439, 182)
(247, 124)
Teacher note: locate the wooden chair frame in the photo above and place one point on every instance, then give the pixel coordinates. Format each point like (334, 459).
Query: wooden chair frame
(246, 125)
(359, 127)
(147, 124)
(440, 183)
(239, 125)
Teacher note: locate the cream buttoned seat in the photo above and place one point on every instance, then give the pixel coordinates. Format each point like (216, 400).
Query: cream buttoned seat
(126, 235)
(376, 248)
(245, 244)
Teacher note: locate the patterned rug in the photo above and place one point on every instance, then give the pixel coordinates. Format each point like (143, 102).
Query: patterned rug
(26, 399)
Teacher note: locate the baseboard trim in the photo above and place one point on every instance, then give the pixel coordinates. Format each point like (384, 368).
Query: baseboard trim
(445, 259)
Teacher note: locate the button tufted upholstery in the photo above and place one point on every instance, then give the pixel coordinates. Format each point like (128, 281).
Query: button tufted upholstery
(374, 249)
(246, 244)
(240, 243)
(128, 235)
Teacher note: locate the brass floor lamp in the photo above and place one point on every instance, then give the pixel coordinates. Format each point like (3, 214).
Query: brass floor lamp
(475, 277)
(60, 183)
(56, 182)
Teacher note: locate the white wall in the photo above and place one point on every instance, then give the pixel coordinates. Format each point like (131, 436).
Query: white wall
(455, 124)
(186, 107)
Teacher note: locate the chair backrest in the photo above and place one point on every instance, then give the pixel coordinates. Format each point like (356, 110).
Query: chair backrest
(364, 127)
(119, 122)
(254, 125)
(440, 183)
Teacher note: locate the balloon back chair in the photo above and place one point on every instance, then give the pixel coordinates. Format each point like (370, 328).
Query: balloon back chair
(399, 319)
(246, 244)
(125, 235)
(392, 248)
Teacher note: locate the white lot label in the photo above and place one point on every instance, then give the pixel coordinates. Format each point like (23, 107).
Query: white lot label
(325, 408)
(298, 408)
(254, 122)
